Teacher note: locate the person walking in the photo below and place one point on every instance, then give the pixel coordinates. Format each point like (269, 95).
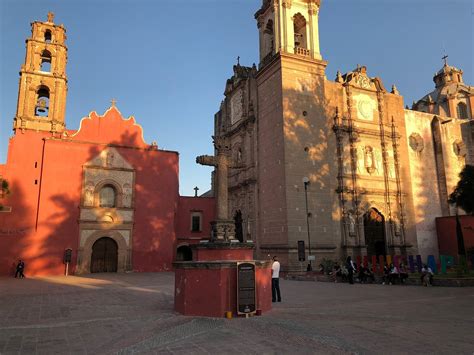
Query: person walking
(19, 269)
(276, 280)
(350, 269)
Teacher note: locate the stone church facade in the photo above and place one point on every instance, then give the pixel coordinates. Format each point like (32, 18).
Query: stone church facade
(99, 193)
(375, 174)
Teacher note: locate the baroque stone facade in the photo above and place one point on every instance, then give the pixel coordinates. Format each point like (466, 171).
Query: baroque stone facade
(378, 173)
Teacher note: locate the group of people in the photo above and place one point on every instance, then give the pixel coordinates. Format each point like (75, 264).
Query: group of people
(363, 273)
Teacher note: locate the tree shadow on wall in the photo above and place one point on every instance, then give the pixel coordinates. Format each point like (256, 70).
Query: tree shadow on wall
(154, 205)
(16, 231)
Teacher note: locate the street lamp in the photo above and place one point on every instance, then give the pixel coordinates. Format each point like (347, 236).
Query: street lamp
(306, 183)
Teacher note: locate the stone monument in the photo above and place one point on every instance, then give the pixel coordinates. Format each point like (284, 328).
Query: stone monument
(207, 285)
(223, 228)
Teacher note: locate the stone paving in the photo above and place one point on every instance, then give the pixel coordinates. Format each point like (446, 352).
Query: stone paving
(133, 313)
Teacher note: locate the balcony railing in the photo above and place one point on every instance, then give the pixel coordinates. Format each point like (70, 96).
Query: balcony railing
(302, 51)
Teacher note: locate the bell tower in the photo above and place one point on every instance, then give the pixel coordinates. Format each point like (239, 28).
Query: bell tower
(43, 83)
(288, 26)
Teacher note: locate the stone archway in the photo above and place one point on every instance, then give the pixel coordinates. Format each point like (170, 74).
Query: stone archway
(85, 252)
(184, 253)
(374, 232)
(104, 255)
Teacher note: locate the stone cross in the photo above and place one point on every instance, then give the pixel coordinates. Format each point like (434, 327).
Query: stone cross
(223, 162)
(50, 16)
(196, 189)
(445, 58)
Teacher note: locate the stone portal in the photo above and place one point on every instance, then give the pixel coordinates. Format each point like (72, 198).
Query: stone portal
(374, 231)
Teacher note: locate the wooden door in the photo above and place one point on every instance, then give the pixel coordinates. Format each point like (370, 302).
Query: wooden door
(104, 255)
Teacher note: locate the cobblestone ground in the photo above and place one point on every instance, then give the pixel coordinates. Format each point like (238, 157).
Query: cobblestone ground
(133, 313)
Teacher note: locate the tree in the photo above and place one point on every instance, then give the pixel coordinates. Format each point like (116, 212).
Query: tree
(463, 194)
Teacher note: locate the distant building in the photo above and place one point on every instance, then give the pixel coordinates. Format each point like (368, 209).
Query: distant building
(377, 174)
(100, 191)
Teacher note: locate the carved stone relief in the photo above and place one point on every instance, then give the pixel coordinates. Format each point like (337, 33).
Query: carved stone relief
(236, 107)
(365, 106)
(416, 142)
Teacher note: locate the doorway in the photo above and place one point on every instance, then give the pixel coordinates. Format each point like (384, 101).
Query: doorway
(374, 231)
(104, 255)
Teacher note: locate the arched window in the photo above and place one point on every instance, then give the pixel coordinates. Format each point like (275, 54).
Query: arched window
(462, 110)
(269, 39)
(47, 36)
(46, 61)
(42, 102)
(299, 27)
(107, 196)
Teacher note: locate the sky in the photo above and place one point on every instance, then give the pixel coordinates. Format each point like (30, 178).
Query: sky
(166, 61)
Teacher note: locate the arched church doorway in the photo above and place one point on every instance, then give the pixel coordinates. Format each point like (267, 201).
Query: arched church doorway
(374, 231)
(184, 253)
(104, 255)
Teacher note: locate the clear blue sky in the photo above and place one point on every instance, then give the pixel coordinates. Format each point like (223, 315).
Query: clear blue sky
(166, 62)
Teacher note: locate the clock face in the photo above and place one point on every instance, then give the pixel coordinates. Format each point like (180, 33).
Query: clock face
(236, 107)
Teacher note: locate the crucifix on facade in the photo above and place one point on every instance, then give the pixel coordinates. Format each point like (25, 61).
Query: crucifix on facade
(196, 189)
(223, 227)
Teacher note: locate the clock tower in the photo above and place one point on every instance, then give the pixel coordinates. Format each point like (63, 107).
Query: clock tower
(43, 83)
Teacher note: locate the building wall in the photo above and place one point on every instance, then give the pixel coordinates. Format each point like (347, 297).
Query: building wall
(424, 180)
(188, 205)
(272, 232)
(309, 152)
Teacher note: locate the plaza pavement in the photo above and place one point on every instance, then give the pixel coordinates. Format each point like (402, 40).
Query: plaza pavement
(133, 313)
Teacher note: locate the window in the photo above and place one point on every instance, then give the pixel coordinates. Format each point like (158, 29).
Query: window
(196, 225)
(462, 110)
(46, 61)
(47, 36)
(42, 102)
(299, 26)
(107, 196)
(269, 40)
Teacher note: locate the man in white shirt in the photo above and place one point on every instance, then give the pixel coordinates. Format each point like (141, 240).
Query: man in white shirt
(276, 280)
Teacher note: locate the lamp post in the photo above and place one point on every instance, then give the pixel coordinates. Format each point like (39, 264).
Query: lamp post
(306, 183)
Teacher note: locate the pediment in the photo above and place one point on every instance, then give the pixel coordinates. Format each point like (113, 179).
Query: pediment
(109, 158)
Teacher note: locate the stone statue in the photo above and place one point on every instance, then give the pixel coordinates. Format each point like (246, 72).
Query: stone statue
(89, 196)
(352, 224)
(223, 227)
(369, 159)
(127, 195)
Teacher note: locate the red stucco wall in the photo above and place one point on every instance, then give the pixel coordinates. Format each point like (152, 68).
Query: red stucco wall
(187, 205)
(45, 176)
(446, 229)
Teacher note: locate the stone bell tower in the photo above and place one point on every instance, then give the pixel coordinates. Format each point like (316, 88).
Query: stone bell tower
(289, 26)
(294, 148)
(43, 83)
